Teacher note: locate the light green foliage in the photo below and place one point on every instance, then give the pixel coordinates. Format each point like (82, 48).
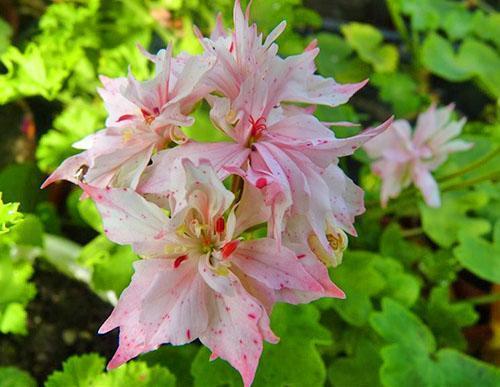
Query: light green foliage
(446, 319)
(300, 333)
(9, 215)
(14, 377)
(440, 267)
(444, 224)
(393, 244)
(177, 359)
(411, 358)
(363, 276)
(439, 57)
(15, 293)
(110, 264)
(400, 90)
(5, 35)
(360, 280)
(78, 120)
(338, 59)
(367, 41)
(88, 371)
(480, 256)
(361, 367)
(20, 183)
(401, 323)
(20, 240)
(88, 212)
(297, 16)
(487, 27)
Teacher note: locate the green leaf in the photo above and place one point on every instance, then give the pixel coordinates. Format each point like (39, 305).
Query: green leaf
(109, 263)
(400, 286)
(136, 374)
(5, 35)
(78, 120)
(393, 244)
(203, 130)
(88, 371)
(360, 280)
(300, 332)
(443, 224)
(440, 266)
(367, 41)
(410, 356)
(215, 373)
(15, 293)
(424, 16)
(13, 319)
(400, 90)
(360, 369)
(114, 271)
(404, 367)
(447, 319)
(21, 183)
(177, 359)
(89, 213)
(337, 59)
(14, 377)
(29, 232)
(334, 50)
(480, 256)
(77, 371)
(439, 58)
(397, 325)
(9, 215)
(459, 370)
(487, 26)
(457, 23)
(483, 62)
(406, 360)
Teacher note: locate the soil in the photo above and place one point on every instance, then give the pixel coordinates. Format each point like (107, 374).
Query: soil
(63, 321)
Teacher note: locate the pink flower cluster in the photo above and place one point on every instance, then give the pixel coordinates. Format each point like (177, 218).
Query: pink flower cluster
(402, 158)
(204, 274)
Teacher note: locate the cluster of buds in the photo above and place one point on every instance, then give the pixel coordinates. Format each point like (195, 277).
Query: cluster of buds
(203, 273)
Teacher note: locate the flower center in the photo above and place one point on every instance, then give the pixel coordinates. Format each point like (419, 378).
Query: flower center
(337, 240)
(150, 117)
(207, 239)
(258, 126)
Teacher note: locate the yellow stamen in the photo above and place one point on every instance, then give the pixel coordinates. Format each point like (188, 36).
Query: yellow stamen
(127, 135)
(222, 270)
(175, 249)
(337, 240)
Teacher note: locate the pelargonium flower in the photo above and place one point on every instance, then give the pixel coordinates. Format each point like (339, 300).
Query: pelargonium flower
(279, 148)
(402, 158)
(200, 278)
(143, 118)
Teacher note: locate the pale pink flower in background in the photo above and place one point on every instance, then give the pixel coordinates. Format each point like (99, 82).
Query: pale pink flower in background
(200, 278)
(403, 158)
(143, 117)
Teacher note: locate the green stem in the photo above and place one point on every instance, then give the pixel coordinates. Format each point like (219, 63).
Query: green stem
(411, 191)
(237, 187)
(471, 167)
(488, 299)
(63, 255)
(398, 21)
(493, 177)
(412, 232)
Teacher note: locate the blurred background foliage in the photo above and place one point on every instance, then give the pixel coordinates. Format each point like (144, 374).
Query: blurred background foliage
(422, 284)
